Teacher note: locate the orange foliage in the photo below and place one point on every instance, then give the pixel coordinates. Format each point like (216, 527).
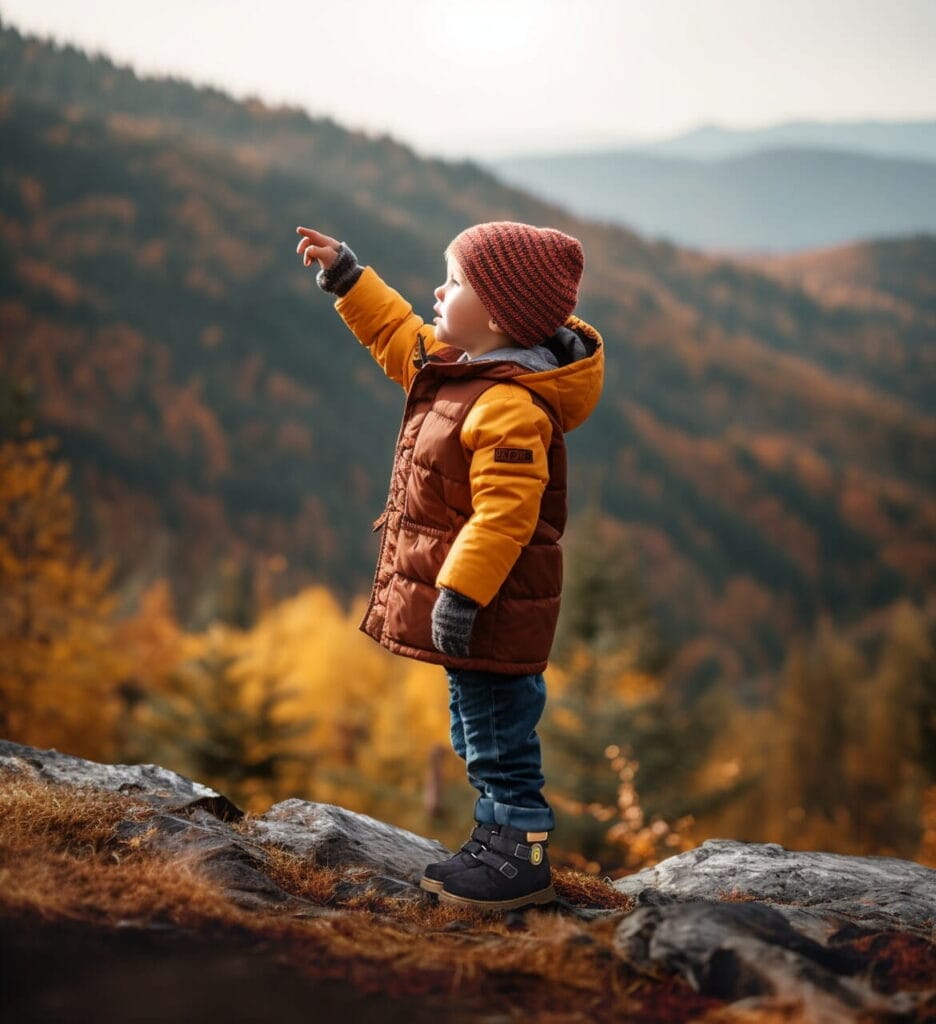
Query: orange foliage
(32, 192)
(185, 418)
(211, 336)
(118, 350)
(294, 436)
(58, 667)
(284, 389)
(152, 638)
(95, 208)
(46, 277)
(714, 473)
(641, 844)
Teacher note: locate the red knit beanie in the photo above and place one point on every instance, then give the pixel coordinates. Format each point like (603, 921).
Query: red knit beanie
(526, 277)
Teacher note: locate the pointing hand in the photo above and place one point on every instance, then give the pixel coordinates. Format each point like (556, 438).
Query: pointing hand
(315, 246)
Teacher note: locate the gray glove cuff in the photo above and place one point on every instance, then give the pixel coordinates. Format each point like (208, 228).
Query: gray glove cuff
(342, 274)
(452, 620)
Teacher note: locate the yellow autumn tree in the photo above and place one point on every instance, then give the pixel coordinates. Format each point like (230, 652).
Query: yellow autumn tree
(212, 717)
(379, 721)
(58, 670)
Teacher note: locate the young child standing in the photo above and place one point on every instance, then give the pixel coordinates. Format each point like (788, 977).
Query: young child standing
(470, 567)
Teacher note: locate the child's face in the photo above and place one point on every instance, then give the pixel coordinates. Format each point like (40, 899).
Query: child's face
(461, 319)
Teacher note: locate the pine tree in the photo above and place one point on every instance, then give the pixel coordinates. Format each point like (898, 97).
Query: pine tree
(221, 725)
(818, 711)
(612, 733)
(895, 761)
(58, 669)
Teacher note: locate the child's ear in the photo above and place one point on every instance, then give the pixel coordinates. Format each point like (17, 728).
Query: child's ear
(494, 326)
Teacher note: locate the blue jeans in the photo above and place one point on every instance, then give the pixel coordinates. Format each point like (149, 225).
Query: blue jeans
(493, 719)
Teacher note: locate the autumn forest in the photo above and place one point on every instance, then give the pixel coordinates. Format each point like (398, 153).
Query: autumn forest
(193, 449)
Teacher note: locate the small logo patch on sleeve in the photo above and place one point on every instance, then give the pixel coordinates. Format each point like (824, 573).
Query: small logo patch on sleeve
(513, 454)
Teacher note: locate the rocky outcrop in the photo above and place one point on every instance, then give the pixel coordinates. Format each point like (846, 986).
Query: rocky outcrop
(159, 787)
(334, 836)
(818, 893)
(750, 954)
(744, 922)
(752, 920)
(193, 822)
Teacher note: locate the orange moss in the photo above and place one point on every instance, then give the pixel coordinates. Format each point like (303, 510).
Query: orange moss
(902, 963)
(776, 1010)
(60, 858)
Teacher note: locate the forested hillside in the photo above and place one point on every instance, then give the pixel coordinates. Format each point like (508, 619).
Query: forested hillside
(765, 447)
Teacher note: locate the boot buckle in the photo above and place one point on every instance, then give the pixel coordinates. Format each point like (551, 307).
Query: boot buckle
(499, 864)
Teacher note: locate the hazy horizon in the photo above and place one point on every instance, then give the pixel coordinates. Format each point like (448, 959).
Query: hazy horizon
(560, 76)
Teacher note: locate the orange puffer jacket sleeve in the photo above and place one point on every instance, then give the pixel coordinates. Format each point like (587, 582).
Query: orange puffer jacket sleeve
(385, 322)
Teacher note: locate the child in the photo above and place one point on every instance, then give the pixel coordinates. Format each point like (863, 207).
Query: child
(470, 567)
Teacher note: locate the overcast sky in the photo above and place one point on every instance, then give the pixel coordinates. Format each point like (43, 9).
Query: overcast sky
(484, 78)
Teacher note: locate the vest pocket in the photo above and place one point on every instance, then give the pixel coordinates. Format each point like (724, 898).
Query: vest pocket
(409, 612)
(410, 524)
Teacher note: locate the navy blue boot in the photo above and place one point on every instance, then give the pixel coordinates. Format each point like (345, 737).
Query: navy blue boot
(511, 870)
(435, 874)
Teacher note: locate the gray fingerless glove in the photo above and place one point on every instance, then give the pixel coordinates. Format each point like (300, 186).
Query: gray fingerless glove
(342, 274)
(453, 617)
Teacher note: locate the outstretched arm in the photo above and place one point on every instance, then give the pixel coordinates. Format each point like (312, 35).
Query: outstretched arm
(380, 318)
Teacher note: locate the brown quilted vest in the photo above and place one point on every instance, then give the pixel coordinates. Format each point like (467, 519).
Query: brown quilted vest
(430, 499)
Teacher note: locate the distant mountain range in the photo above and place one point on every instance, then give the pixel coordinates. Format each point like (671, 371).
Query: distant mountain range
(911, 140)
(790, 187)
(765, 438)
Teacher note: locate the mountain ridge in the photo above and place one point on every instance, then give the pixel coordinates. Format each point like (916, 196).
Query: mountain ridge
(753, 437)
(775, 198)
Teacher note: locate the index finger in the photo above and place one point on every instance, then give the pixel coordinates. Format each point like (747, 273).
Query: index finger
(316, 236)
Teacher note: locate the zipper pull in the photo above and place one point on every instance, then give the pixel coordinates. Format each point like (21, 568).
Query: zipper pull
(420, 358)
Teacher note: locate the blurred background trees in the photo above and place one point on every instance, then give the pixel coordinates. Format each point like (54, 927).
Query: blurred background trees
(299, 703)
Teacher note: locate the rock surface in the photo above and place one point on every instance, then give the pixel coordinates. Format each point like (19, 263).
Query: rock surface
(748, 952)
(159, 787)
(211, 846)
(333, 836)
(819, 893)
(745, 922)
(786, 933)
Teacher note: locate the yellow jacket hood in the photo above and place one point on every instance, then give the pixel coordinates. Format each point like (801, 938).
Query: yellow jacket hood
(567, 370)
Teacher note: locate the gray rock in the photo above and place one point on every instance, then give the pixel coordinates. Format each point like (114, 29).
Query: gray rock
(749, 953)
(210, 846)
(333, 836)
(740, 921)
(834, 891)
(160, 788)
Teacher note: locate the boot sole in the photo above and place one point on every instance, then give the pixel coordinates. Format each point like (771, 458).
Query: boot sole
(431, 884)
(543, 896)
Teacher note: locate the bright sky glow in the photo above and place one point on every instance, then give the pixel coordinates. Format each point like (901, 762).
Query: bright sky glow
(485, 78)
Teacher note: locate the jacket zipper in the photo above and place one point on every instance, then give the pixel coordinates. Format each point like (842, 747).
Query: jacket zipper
(386, 511)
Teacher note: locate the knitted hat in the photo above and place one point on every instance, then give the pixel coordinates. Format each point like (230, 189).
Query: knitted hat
(527, 278)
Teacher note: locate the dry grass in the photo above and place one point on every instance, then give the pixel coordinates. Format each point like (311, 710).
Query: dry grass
(61, 858)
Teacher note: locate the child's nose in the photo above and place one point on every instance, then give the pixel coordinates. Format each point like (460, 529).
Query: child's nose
(438, 292)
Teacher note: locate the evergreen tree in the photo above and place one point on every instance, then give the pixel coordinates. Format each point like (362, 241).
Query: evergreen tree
(613, 729)
(220, 725)
(58, 670)
(818, 720)
(897, 760)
